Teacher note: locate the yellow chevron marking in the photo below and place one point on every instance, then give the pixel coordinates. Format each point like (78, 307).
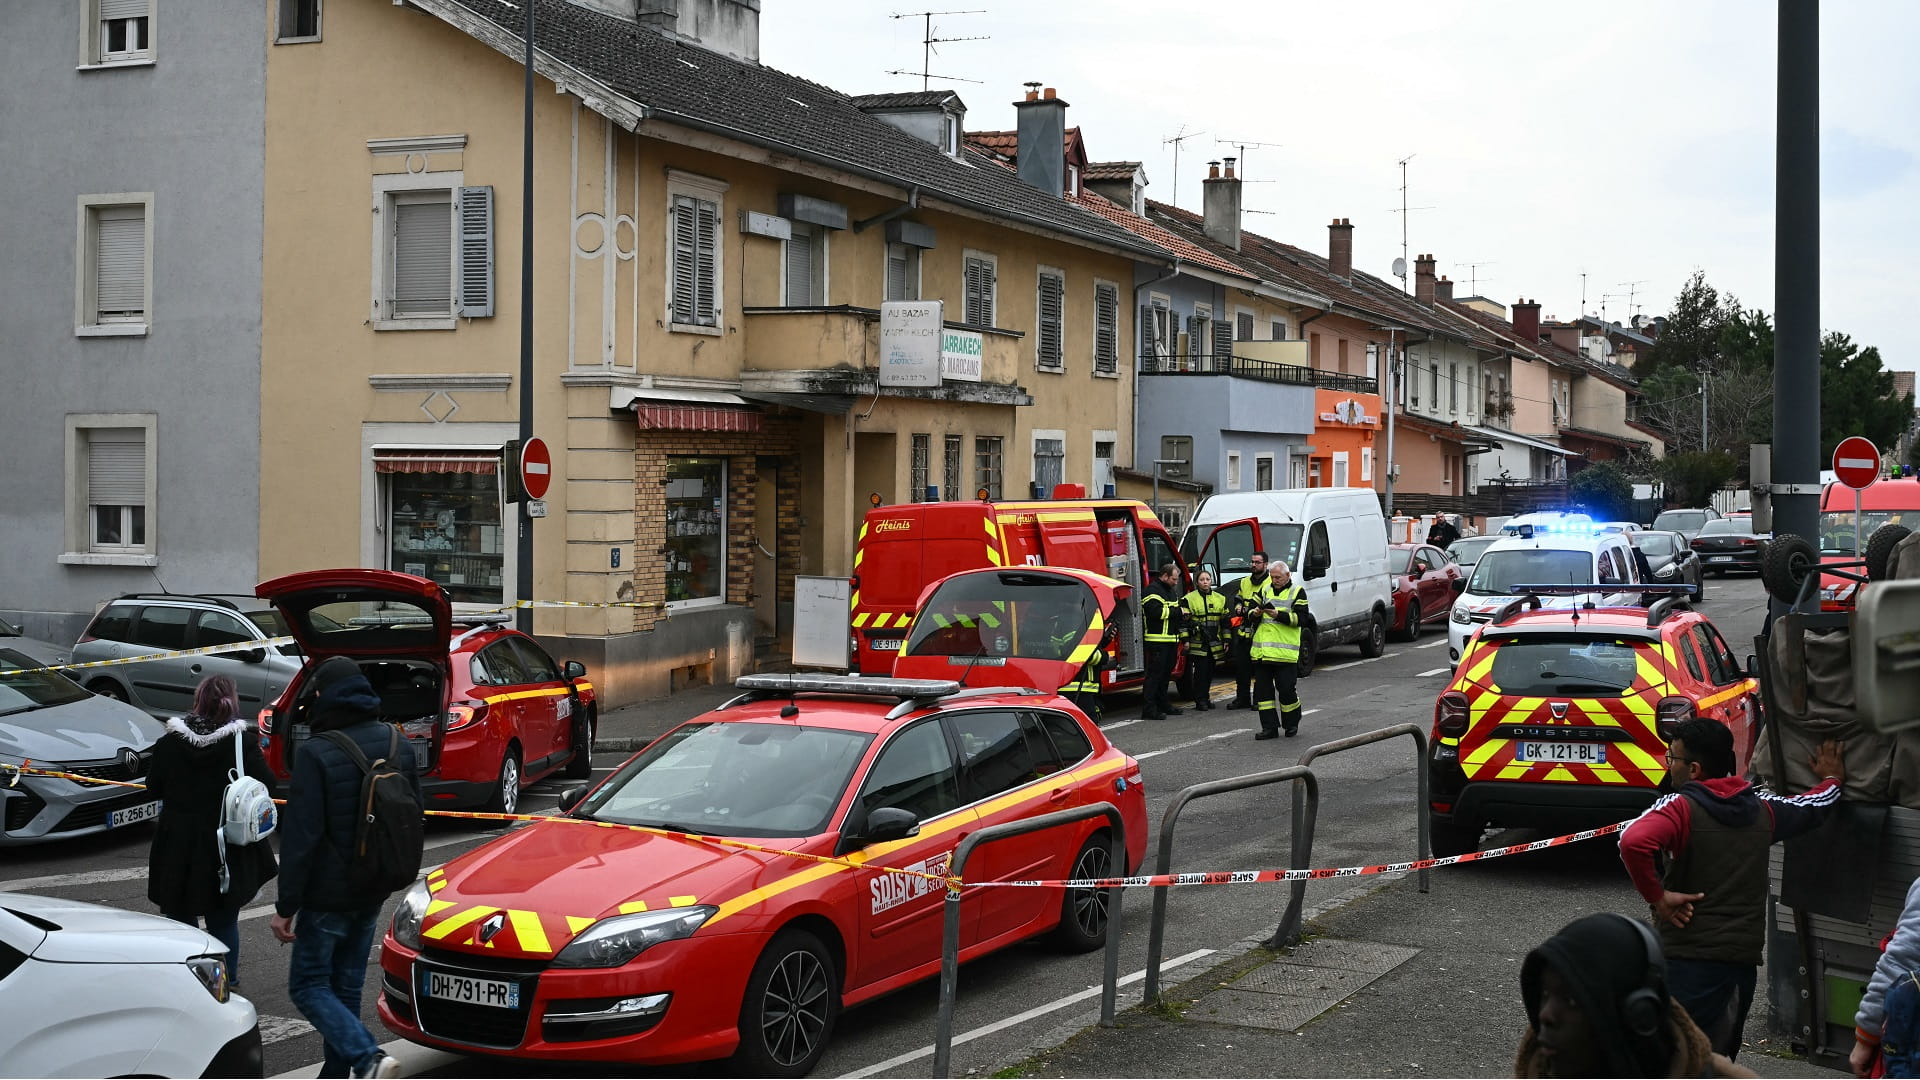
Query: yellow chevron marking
(632, 906)
(575, 924)
(681, 901)
(1512, 772)
(451, 923)
(860, 619)
(436, 885)
(993, 555)
(442, 872)
(528, 931)
(1484, 753)
(435, 907)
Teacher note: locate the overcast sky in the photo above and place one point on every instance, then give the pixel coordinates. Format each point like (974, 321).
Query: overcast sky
(1631, 140)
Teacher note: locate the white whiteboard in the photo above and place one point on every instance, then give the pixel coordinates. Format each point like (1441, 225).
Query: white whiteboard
(821, 621)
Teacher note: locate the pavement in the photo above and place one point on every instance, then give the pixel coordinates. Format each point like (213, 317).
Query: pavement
(630, 728)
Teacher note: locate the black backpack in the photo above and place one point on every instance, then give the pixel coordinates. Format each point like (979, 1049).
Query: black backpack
(388, 836)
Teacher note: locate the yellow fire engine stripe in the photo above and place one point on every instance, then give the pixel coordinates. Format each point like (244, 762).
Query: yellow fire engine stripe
(448, 925)
(517, 695)
(435, 907)
(1481, 667)
(1641, 760)
(878, 852)
(528, 931)
(1742, 687)
(632, 906)
(575, 924)
(437, 873)
(1561, 773)
(1512, 772)
(436, 884)
(681, 901)
(1484, 753)
(860, 619)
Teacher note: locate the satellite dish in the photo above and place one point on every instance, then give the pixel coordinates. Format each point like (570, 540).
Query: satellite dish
(1639, 321)
(1400, 269)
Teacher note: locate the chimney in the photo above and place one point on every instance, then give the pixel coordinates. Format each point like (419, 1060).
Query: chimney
(1443, 289)
(728, 27)
(1043, 139)
(1423, 285)
(1565, 335)
(1340, 246)
(1526, 320)
(1220, 200)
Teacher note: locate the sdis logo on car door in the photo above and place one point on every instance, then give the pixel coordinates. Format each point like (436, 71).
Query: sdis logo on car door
(893, 889)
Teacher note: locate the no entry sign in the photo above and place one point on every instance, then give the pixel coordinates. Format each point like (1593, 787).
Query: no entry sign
(536, 468)
(1856, 462)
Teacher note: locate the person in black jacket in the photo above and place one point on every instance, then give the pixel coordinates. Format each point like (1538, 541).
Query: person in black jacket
(192, 764)
(336, 923)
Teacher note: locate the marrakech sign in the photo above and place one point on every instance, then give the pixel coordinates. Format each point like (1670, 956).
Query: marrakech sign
(960, 354)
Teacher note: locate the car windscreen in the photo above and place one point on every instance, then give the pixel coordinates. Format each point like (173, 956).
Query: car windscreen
(23, 689)
(1467, 550)
(1005, 613)
(1683, 520)
(1571, 665)
(1498, 572)
(734, 779)
(1654, 543)
(273, 625)
(1836, 527)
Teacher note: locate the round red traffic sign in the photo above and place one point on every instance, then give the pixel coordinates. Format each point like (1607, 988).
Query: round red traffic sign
(536, 468)
(1856, 462)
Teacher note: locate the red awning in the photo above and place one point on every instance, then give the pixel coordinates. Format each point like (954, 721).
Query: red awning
(651, 417)
(479, 462)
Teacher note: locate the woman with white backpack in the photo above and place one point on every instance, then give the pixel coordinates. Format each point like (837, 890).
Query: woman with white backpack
(210, 855)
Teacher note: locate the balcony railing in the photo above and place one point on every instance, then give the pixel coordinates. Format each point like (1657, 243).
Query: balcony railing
(1241, 367)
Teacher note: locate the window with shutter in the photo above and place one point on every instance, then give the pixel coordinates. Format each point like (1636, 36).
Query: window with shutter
(421, 283)
(475, 211)
(686, 240)
(1222, 342)
(903, 272)
(1049, 463)
(1106, 328)
(120, 264)
(803, 267)
(1243, 326)
(125, 31)
(978, 306)
(705, 263)
(1278, 328)
(116, 488)
(1047, 337)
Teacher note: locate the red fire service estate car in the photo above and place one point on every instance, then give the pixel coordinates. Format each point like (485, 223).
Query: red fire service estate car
(1558, 718)
(1422, 577)
(489, 711)
(562, 941)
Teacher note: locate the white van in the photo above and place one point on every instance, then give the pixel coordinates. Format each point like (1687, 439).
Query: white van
(1576, 557)
(1333, 539)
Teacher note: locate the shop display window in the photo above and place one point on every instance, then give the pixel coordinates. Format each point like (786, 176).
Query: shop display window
(696, 493)
(447, 527)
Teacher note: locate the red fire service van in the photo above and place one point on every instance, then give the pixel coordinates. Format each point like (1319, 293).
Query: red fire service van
(904, 548)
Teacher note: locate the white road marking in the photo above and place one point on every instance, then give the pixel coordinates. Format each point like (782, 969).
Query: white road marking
(1435, 671)
(1432, 644)
(1019, 1018)
(1354, 663)
(1310, 712)
(275, 1029)
(137, 873)
(1195, 742)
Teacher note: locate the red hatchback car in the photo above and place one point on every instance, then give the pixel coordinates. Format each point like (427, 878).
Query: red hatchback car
(1422, 577)
(489, 712)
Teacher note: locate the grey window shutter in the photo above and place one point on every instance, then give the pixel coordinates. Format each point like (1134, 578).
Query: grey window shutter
(116, 467)
(123, 9)
(706, 272)
(979, 292)
(120, 269)
(896, 272)
(1149, 332)
(1244, 331)
(1197, 336)
(799, 258)
(686, 242)
(422, 258)
(1051, 289)
(1106, 331)
(476, 252)
(1222, 340)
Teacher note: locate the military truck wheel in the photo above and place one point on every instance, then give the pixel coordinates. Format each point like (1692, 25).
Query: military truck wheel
(1788, 562)
(1880, 549)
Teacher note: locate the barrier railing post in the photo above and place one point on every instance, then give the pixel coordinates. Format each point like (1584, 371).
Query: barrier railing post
(950, 935)
(1156, 930)
(1303, 820)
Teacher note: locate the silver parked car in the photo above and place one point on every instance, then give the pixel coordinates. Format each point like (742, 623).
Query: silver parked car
(15, 638)
(52, 721)
(139, 624)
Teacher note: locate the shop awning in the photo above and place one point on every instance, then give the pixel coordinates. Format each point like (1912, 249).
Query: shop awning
(387, 459)
(687, 410)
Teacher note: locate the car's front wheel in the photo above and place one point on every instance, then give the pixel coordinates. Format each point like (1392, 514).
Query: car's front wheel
(793, 998)
(108, 688)
(1083, 912)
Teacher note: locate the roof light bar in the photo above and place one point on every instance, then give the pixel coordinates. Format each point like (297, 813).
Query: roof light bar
(1583, 590)
(848, 684)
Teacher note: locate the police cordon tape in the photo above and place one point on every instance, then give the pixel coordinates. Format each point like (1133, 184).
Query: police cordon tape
(11, 774)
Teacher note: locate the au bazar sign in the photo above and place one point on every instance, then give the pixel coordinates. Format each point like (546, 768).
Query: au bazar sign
(1351, 411)
(917, 349)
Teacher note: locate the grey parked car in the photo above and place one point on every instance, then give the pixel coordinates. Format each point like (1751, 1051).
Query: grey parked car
(1672, 561)
(13, 637)
(49, 719)
(139, 624)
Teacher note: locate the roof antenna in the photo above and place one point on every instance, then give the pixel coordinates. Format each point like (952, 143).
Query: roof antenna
(157, 581)
(792, 708)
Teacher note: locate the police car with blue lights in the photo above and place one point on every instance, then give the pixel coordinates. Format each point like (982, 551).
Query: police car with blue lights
(1548, 549)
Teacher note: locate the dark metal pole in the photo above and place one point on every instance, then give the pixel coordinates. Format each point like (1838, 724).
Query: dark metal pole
(523, 570)
(1796, 272)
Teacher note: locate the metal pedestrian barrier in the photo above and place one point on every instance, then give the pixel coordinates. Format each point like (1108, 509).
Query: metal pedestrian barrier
(1157, 929)
(950, 939)
(1288, 932)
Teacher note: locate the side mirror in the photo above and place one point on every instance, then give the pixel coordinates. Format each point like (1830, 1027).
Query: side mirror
(574, 669)
(1753, 666)
(572, 797)
(889, 823)
(252, 656)
(1459, 585)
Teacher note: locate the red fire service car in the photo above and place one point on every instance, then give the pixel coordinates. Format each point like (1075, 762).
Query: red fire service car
(562, 941)
(1557, 718)
(488, 710)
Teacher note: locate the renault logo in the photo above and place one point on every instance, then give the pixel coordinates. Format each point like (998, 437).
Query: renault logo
(130, 760)
(491, 926)
(1558, 708)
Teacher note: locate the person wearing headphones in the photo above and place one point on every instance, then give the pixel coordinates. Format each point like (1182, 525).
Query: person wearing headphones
(1710, 902)
(1597, 1005)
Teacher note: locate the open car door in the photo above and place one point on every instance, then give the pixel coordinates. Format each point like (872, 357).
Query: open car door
(1018, 626)
(1227, 552)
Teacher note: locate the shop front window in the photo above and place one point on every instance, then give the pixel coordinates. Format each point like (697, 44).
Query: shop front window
(444, 521)
(696, 528)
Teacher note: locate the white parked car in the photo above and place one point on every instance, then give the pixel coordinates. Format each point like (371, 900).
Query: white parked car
(88, 990)
(1576, 557)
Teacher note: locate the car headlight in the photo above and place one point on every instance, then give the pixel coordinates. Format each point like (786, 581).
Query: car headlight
(212, 973)
(612, 942)
(1460, 615)
(1665, 571)
(408, 914)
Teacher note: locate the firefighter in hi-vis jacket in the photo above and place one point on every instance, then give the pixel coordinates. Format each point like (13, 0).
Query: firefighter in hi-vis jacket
(1207, 631)
(1246, 593)
(1282, 612)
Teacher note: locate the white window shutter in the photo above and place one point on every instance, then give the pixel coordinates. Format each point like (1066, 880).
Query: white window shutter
(706, 272)
(422, 258)
(116, 467)
(799, 266)
(686, 242)
(476, 252)
(123, 9)
(120, 269)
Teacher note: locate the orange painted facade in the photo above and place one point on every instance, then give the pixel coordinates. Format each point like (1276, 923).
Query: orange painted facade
(1346, 428)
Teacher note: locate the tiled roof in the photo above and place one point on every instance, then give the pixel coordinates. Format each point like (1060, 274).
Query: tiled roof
(684, 85)
(1111, 170)
(1006, 144)
(916, 99)
(1546, 347)
(1452, 432)
(1172, 243)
